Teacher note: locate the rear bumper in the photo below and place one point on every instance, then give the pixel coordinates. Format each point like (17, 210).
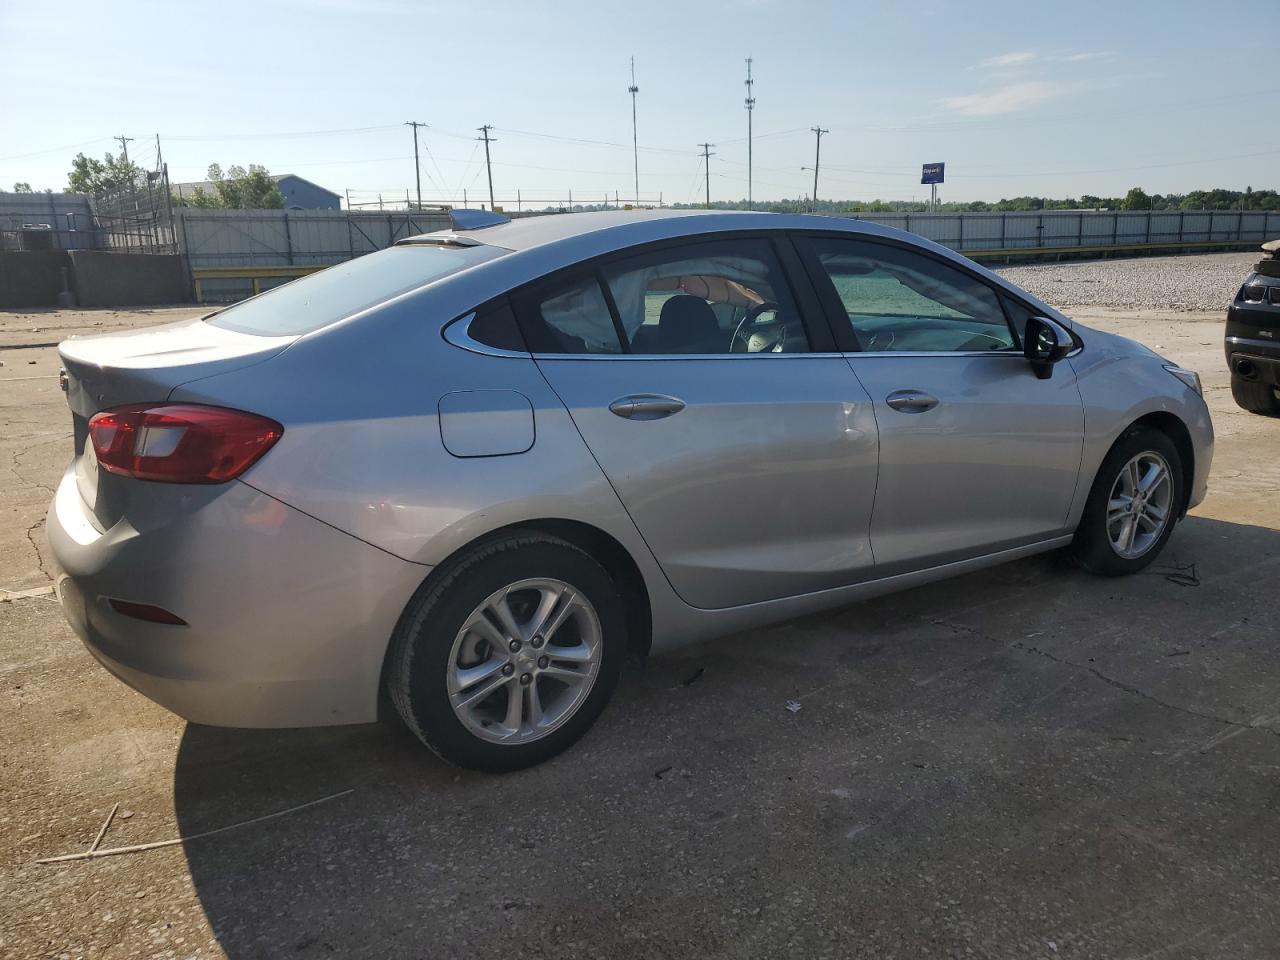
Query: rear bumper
(287, 618)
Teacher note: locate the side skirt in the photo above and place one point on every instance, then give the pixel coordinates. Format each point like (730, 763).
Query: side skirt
(676, 625)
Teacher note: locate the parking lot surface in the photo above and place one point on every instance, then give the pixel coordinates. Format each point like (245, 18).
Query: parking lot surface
(1024, 762)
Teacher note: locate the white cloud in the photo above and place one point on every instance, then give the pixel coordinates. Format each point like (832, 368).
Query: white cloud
(1018, 59)
(1090, 55)
(1010, 99)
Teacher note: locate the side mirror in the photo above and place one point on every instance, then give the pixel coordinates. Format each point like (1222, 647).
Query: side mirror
(1044, 343)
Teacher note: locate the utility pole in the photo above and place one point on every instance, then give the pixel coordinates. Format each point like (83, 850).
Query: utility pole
(706, 161)
(817, 152)
(751, 106)
(124, 146)
(488, 166)
(417, 170)
(635, 139)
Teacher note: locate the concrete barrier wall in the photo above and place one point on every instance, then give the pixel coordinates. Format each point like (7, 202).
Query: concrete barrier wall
(129, 279)
(31, 278)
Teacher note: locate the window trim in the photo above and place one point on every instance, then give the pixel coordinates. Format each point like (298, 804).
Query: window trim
(812, 317)
(457, 331)
(846, 337)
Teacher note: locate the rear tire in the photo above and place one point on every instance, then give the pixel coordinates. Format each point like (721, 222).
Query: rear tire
(1255, 397)
(479, 625)
(1120, 533)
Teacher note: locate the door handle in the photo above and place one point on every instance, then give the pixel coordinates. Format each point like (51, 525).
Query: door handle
(646, 406)
(911, 401)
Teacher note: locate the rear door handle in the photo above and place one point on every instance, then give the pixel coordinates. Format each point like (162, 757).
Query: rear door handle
(911, 401)
(646, 406)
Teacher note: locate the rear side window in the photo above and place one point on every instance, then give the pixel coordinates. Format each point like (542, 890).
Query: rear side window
(494, 325)
(323, 298)
(574, 318)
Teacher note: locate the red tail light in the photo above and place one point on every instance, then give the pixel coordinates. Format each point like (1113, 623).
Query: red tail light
(180, 442)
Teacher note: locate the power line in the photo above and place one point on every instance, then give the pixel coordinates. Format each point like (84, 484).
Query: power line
(282, 136)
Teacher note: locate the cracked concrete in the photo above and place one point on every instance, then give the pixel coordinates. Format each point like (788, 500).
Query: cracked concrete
(1024, 762)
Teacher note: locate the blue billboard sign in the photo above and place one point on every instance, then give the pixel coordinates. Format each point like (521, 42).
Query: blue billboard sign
(932, 172)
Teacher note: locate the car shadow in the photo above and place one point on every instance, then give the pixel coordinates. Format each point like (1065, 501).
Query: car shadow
(885, 774)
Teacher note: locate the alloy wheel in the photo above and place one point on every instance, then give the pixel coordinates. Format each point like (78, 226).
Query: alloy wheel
(1140, 505)
(524, 661)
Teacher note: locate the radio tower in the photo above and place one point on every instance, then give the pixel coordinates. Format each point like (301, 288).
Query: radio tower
(751, 105)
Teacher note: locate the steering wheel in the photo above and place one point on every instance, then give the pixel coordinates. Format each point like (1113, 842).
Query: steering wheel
(747, 318)
(974, 342)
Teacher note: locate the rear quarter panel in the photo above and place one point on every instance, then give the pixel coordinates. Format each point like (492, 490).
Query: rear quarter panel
(362, 448)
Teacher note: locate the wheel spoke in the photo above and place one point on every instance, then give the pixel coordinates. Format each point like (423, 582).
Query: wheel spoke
(462, 678)
(515, 706)
(535, 705)
(483, 627)
(1127, 533)
(501, 608)
(1131, 477)
(552, 612)
(565, 675)
(466, 702)
(1154, 476)
(576, 654)
(1151, 523)
(1156, 512)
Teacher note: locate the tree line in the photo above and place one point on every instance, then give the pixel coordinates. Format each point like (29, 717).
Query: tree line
(1135, 199)
(252, 188)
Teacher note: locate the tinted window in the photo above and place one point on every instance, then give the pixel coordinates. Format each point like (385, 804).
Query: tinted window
(1018, 316)
(572, 317)
(722, 296)
(495, 325)
(312, 302)
(903, 301)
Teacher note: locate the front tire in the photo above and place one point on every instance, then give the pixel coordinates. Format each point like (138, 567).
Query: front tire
(508, 656)
(1133, 504)
(1255, 397)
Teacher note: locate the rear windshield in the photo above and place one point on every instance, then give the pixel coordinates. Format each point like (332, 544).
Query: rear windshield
(314, 301)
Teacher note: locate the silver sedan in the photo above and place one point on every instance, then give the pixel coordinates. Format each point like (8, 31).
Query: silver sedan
(478, 470)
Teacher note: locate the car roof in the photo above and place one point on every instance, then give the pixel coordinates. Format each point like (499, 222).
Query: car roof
(525, 233)
(543, 243)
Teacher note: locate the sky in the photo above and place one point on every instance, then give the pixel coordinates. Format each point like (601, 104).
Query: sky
(1048, 99)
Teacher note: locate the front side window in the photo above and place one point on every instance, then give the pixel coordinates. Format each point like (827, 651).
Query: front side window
(724, 296)
(898, 300)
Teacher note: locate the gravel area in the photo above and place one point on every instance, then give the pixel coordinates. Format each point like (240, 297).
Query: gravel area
(1202, 282)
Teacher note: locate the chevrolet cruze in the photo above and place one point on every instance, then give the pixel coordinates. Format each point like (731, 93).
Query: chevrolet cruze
(477, 470)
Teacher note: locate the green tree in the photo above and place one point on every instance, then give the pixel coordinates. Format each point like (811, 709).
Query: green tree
(237, 189)
(22, 187)
(1136, 199)
(98, 177)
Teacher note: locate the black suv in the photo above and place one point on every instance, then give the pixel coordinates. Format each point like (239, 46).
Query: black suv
(1253, 336)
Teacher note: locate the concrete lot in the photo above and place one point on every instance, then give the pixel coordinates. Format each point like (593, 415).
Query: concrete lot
(1026, 762)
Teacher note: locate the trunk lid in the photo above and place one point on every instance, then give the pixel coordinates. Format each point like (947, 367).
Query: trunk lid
(143, 366)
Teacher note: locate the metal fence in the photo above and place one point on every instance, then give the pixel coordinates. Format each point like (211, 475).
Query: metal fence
(237, 253)
(1085, 231)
